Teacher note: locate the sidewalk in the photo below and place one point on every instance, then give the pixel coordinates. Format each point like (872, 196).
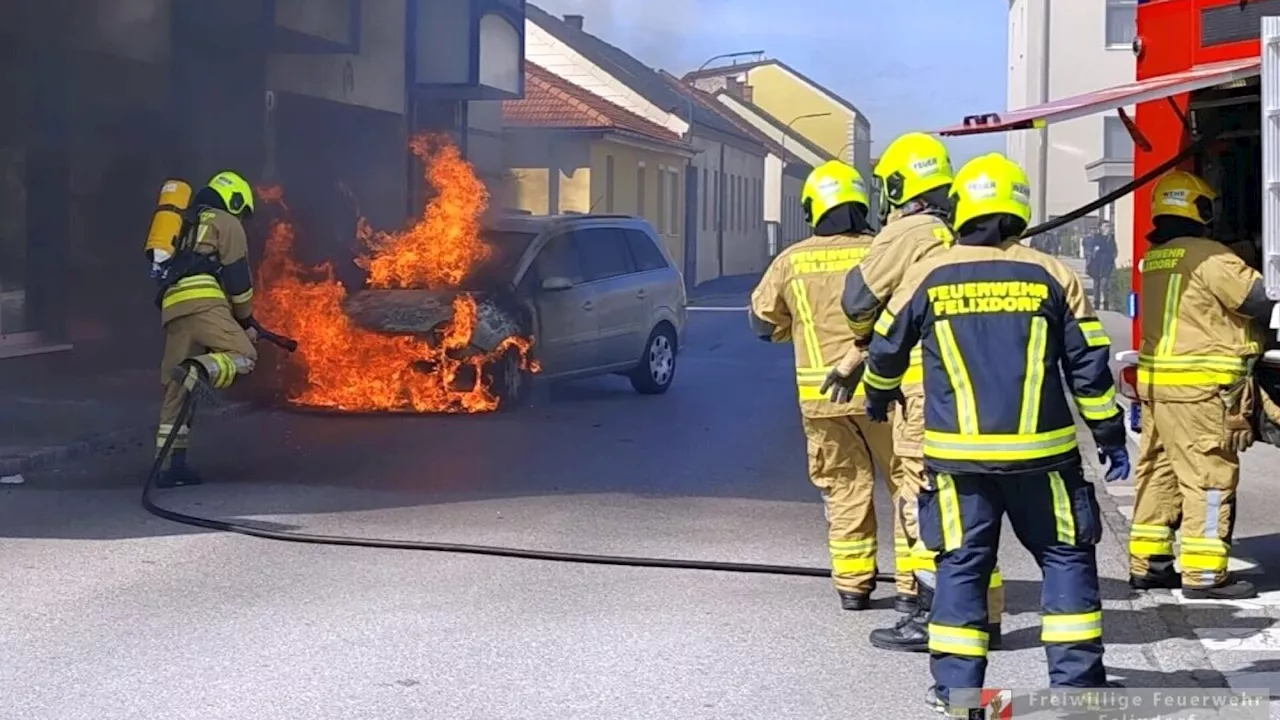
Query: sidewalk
(730, 291)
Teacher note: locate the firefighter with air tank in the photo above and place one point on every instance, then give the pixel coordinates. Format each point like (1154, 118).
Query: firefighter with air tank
(914, 177)
(199, 255)
(1001, 325)
(797, 301)
(1202, 320)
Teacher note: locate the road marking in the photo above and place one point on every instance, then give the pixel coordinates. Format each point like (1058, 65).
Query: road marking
(713, 308)
(1121, 490)
(1126, 511)
(1237, 639)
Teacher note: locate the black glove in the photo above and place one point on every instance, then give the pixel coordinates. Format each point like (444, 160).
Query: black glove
(1117, 456)
(840, 386)
(879, 402)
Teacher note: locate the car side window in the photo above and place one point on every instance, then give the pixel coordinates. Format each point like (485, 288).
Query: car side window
(604, 253)
(647, 256)
(559, 258)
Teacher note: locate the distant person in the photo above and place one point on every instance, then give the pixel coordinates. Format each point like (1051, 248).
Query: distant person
(1100, 263)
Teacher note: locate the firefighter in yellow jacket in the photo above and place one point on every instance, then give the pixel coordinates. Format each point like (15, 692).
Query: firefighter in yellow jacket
(1001, 326)
(914, 177)
(206, 307)
(1200, 336)
(797, 300)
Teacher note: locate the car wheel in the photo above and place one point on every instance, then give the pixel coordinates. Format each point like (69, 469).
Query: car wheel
(657, 367)
(511, 382)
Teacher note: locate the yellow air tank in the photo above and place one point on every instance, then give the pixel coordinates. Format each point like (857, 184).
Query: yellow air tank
(166, 224)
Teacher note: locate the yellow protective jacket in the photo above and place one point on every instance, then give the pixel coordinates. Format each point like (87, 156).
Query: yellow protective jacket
(1001, 326)
(902, 242)
(797, 300)
(1199, 304)
(220, 235)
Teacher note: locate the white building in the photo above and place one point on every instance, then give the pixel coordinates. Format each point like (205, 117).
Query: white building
(1090, 47)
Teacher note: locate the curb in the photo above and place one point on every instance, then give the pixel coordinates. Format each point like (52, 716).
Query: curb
(105, 443)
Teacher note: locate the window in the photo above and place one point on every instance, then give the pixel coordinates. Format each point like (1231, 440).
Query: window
(676, 215)
(644, 252)
(1122, 23)
(662, 200)
(640, 191)
(705, 199)
(608, 183)
(1116, 143)
(604, 253)
(559, 258)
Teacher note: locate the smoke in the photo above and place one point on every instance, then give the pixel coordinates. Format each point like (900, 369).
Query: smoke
(657, 32)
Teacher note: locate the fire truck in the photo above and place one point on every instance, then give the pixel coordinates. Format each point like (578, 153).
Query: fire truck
(1207, 100)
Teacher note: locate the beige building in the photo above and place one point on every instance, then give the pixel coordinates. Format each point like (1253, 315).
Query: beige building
(1089, 47)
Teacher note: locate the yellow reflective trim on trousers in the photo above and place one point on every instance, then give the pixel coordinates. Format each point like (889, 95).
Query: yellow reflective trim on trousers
(1064, 520)
(949, 509)
(812, 349)
(1098, 408)
(884, 322)
(955, 446)
(1196, 561)
(961, 385)
(226, 370)
(1033, 381)
(1080, 627)
(957, 640)
(1150, 540)
(1095, 335)
(850, 557)
(1169, 321)
(997, 579)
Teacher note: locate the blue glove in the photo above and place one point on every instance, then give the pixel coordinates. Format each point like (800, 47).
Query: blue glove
(879, 402)
(1118, 458)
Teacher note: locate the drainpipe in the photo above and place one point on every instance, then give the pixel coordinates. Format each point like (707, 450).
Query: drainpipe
(721, 194)
(1042, 184)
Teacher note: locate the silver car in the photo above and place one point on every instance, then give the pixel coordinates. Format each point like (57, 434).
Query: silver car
(598, 293)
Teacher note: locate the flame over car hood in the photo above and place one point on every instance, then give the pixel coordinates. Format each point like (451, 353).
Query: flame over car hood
(420, 312)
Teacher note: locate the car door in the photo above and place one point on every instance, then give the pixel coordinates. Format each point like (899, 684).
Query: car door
(618, 293)
(653, 272)
(567, 325)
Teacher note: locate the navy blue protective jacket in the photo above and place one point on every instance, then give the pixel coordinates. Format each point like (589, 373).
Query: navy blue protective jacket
(1000, 326)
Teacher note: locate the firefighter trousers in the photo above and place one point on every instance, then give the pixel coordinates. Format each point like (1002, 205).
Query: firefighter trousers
(913, 559)
(216, 341)
(1056, 517)
(844, 453)
(1186, 478)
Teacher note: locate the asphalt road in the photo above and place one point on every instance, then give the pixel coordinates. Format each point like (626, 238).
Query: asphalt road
(109, 613)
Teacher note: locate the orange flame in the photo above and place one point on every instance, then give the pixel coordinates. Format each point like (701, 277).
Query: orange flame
(346, 367)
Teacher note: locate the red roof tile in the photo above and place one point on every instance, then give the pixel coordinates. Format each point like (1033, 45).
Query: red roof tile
(553, 102)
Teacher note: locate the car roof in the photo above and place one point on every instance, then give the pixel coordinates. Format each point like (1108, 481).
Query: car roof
(538, 224)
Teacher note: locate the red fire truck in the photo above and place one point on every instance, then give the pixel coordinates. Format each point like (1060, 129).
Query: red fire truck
(1207, 98)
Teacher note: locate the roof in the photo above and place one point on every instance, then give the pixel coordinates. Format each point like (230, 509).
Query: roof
(725, 70)
(553, 102)
(628, 70)
(1199, 77)
(790, 133)
(708, 101)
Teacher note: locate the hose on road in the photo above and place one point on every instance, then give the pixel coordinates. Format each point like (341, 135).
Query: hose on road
(492, 550)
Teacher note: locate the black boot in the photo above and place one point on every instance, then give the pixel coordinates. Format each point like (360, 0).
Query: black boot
(854, 600)
(178, 474)
(995, 637)
(1156, 581)
(1230, 589)
(911, 633)
(905, 604)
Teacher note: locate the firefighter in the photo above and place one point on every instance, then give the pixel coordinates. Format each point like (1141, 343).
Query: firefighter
(797, 300)
(996, 320)
(1199, 343)
(914, 177)
(206, 307)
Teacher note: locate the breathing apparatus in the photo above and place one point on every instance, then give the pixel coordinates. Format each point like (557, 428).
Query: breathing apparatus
(172, 239)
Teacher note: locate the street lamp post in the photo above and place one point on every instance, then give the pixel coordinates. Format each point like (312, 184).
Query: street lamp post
(703, 66)
(794, 120)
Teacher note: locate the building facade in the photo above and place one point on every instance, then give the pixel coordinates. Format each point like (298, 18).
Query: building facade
(1087, 45)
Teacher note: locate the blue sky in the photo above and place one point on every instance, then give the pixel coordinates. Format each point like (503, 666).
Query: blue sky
(907, 64)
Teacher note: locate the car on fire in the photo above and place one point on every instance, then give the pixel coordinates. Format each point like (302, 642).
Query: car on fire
(597, 293)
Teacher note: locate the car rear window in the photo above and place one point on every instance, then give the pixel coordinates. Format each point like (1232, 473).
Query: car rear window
(646, 254)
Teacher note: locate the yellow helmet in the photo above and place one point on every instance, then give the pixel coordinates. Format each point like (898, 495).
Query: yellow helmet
(830, 184)
(1179, 193)
(990, 185)
(234, 191)
(912, 165)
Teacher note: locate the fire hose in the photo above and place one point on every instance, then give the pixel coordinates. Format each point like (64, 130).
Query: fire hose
(290, 345)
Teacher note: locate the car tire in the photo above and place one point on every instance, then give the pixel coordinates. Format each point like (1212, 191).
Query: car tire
(511, 383)
(657, 367)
